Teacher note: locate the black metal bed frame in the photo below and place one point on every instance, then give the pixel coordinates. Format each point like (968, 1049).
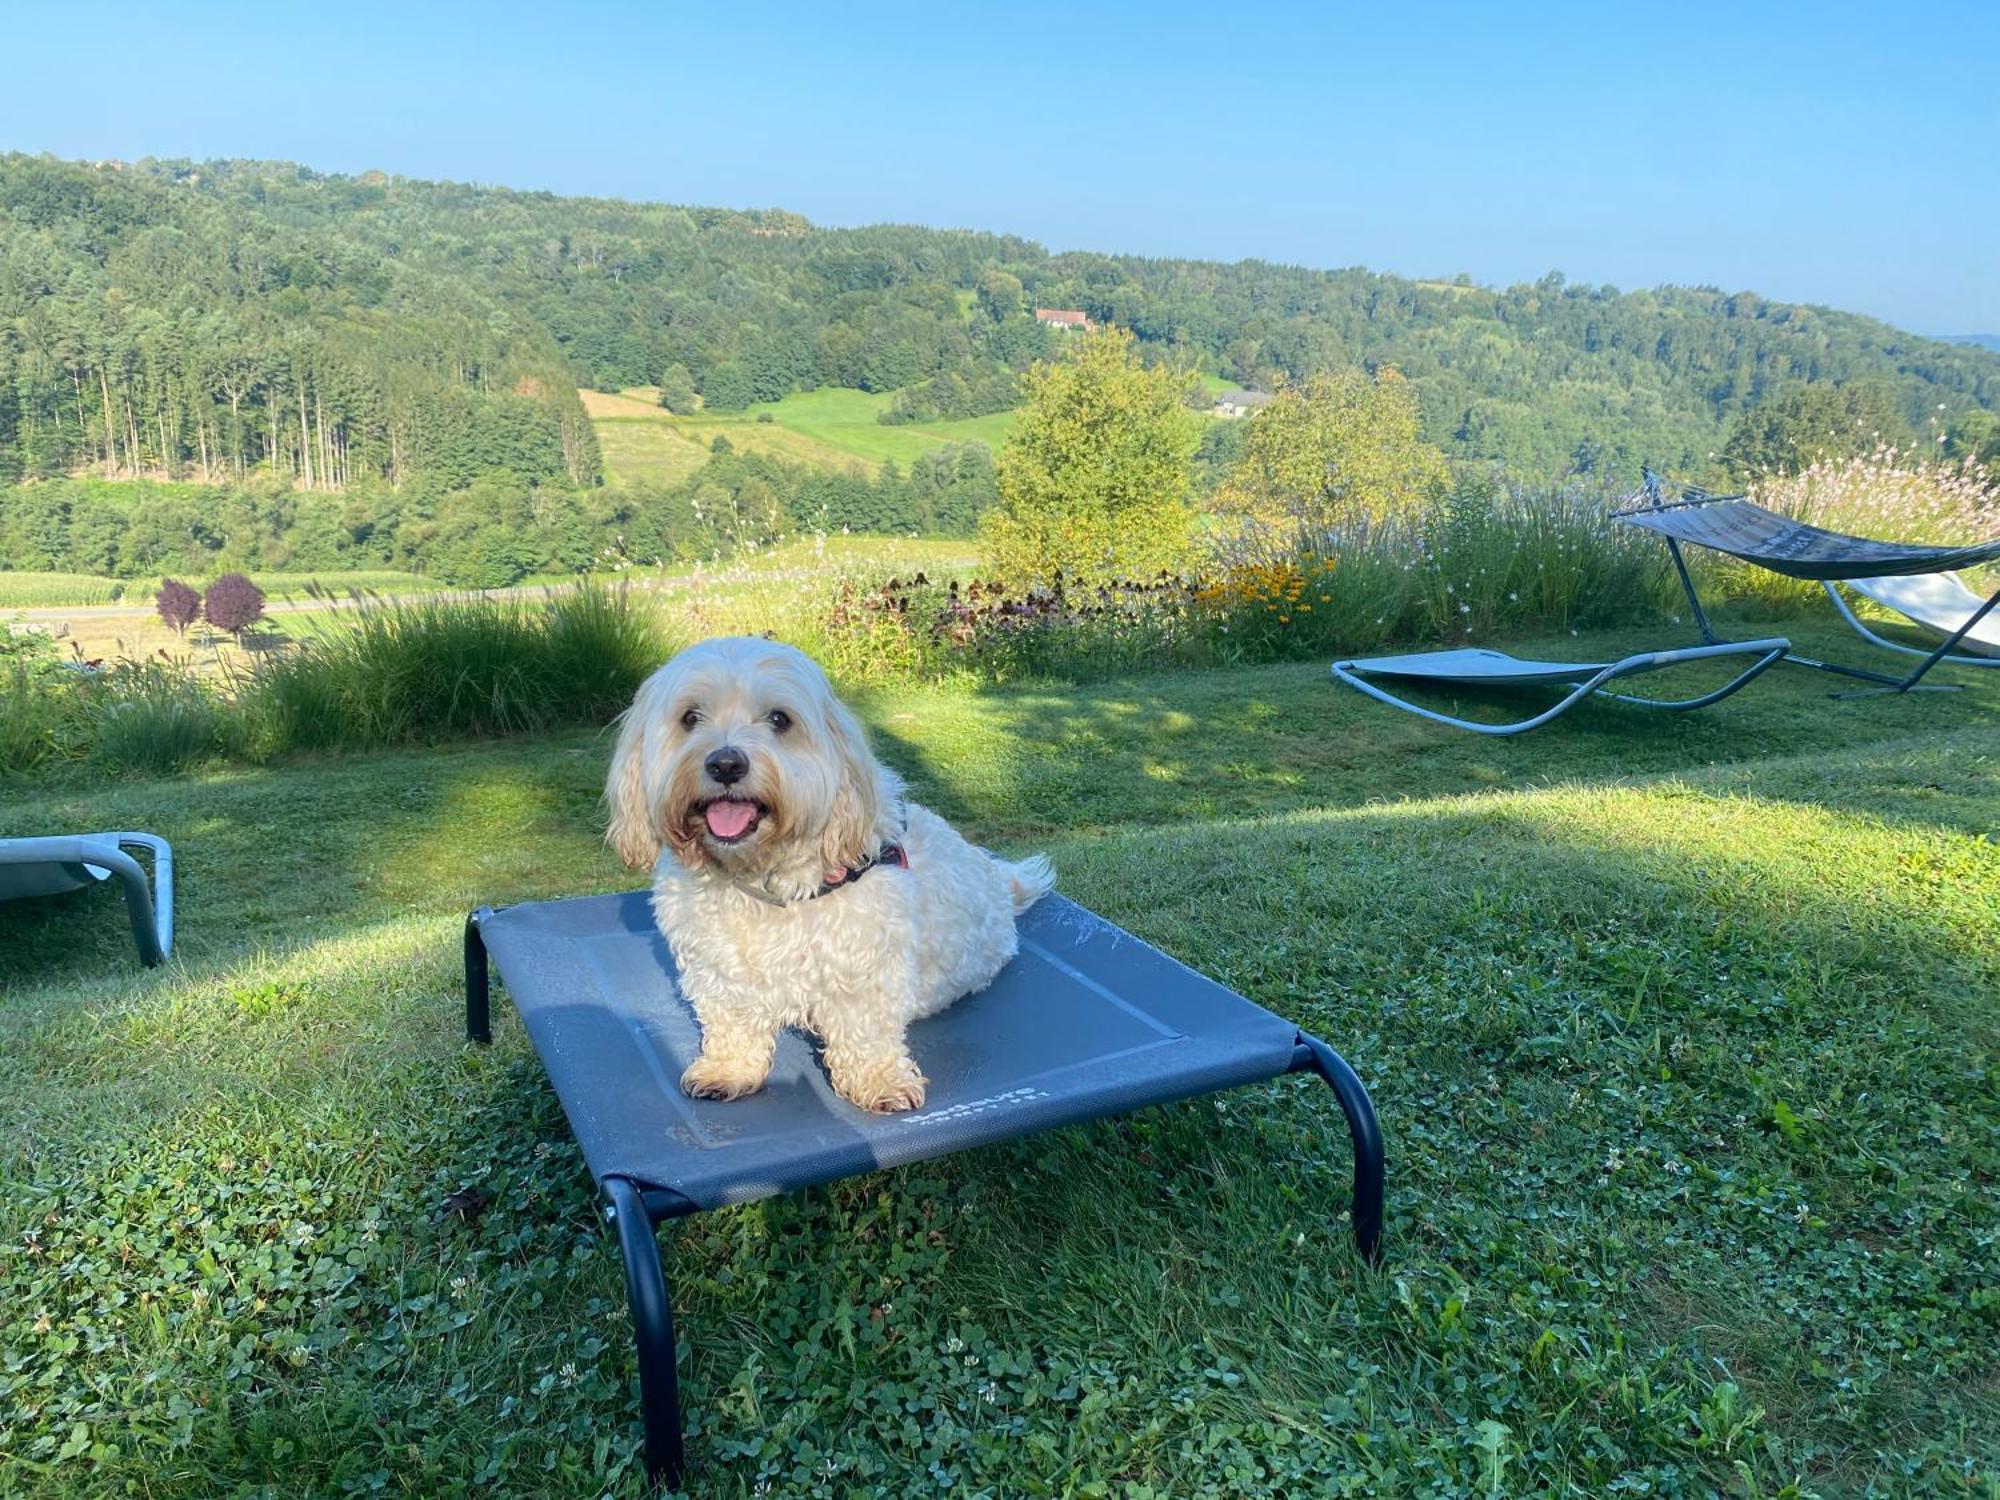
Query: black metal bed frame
(1693, 496)
(635, 1211)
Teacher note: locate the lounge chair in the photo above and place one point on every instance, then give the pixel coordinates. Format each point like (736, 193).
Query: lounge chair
(1941, 604)
(1915, 579)
(52, 866)
(1087, 1021)
(1472, 667)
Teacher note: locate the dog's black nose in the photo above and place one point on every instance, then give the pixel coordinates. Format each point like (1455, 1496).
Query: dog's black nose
(728, 765)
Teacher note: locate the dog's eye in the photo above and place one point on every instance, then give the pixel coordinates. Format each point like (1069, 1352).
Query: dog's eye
(780, 720)
(691, 718)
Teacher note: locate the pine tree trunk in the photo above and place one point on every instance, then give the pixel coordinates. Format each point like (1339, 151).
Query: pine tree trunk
(110, 430)
(305, 438)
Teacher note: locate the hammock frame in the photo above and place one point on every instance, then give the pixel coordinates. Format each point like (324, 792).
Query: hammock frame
(1652, 502)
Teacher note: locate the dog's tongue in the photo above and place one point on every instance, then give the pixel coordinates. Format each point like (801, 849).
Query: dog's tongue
(730, 820)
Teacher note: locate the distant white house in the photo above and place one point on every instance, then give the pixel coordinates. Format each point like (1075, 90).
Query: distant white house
(1240, 403)
(1063, 317)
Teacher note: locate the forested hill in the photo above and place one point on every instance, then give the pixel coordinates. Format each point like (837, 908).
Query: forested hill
(200, 319)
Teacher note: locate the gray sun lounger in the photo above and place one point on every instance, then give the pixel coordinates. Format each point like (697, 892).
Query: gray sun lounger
(1941, 604)
(1479, 668)
(1088, 1021)
(53, 866)
(1913, 578)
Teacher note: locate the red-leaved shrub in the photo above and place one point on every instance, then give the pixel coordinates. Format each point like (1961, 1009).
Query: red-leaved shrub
(177, 604)
(234, 603)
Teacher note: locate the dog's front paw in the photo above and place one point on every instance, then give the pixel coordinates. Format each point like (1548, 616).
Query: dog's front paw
(721, 1078)
(886, 1087)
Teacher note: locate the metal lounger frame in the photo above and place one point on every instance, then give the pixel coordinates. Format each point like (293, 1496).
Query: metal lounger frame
(1942, 654)
(1768, 652)
(1912, 682)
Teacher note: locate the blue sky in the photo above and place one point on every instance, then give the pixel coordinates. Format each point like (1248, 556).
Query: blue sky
(1828, 153)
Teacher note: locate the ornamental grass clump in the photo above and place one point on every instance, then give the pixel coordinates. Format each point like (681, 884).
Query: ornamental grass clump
(149, 715)
(1888, 493)
(1473, 565)
(430, 669)
(1066, 630)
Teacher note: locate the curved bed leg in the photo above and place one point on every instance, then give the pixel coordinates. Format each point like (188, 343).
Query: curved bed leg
(152, 920)
(1366, 1132)
(652, 1331)
(478, 1001)
(161, 917)
(1943, 653)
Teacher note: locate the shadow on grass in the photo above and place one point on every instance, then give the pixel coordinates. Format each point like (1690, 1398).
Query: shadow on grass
(1626, 1040)
(278, 858)
(1022, 764)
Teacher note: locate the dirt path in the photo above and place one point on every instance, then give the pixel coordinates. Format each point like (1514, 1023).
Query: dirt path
(70, 614)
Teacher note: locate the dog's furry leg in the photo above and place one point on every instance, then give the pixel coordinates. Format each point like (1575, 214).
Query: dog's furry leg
(867, 1050)
(735, 1056)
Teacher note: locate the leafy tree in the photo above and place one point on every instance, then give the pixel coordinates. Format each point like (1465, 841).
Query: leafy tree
(1813, 424)
(1974, 435)
(233, 603)
(1000, 295)
(1094, 480)
(677, 390)
(728, 388)
(177, 605)
(1337, 447)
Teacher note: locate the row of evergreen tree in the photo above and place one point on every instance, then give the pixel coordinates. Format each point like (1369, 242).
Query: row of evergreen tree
(149, 328)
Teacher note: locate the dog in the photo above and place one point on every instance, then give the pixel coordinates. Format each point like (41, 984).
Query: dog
(804, 888)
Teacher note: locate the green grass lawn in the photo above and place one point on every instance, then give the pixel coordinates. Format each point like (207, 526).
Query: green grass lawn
(1682, 1030)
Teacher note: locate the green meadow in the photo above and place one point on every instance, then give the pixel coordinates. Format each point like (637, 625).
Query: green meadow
(1682, 1030)
(831, 427)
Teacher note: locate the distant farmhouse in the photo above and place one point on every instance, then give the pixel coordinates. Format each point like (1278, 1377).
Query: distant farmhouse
(1063, 317)
(1241, 403)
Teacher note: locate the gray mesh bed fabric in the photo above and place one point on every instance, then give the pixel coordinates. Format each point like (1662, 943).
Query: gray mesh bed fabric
(1088, 1021)
(1477, 666)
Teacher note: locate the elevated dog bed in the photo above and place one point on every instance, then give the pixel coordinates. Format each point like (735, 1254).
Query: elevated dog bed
(53, 866)
(1088, 1021)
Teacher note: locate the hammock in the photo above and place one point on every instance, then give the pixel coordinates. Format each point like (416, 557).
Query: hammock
(1744, 529)
(1916, 579)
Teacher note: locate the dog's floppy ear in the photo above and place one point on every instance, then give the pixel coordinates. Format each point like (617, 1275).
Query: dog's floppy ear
(857, 801)
(634, 830)
(635, 823)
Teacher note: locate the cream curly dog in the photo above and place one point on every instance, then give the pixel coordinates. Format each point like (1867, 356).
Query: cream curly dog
(739, 759)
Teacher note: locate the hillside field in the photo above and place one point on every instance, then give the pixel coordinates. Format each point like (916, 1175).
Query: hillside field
(833, 427)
